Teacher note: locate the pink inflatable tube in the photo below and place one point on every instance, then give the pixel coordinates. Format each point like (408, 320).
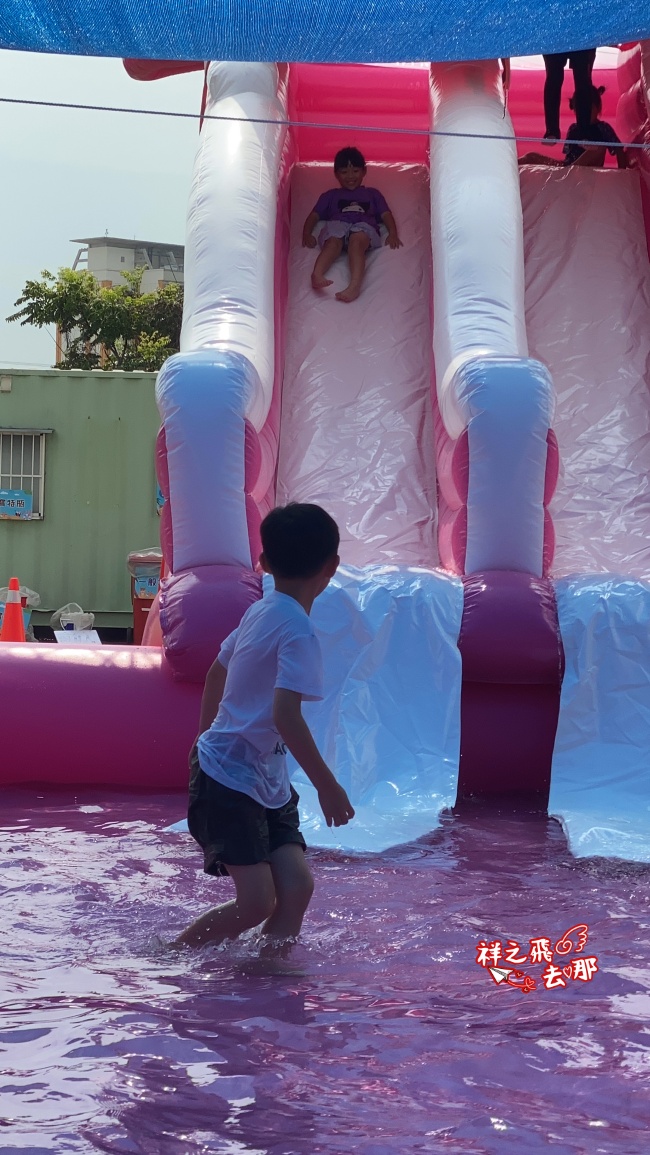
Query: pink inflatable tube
(633, 114)
(512, 673)
(107, 716)
(219, 400)
(511, 649)
(497, 460)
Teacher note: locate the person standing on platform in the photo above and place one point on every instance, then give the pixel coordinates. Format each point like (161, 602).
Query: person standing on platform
(581, 64)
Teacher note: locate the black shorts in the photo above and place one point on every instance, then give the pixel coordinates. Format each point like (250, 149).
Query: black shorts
(233, 829)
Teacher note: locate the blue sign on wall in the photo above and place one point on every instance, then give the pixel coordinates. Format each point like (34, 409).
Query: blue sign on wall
(15, 503)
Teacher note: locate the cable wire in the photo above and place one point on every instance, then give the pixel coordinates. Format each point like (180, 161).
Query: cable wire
(287, 123)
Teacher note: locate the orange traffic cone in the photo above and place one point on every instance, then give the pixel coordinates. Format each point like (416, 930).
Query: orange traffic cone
(13, 626)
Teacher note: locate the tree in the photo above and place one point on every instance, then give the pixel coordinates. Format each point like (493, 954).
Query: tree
(105, 328)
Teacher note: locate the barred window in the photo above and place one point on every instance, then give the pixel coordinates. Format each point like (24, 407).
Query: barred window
(22, 465)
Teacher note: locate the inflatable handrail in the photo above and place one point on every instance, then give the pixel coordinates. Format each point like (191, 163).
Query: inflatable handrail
(219, 398)
(633, 114)
(476, 223)
(486, 386)
(229, 252)
(219, 392)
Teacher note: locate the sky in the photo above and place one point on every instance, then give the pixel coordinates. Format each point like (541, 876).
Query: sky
(66, 173)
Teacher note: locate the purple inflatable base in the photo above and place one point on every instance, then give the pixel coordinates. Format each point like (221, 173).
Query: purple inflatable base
(198, 609)
(513, 664)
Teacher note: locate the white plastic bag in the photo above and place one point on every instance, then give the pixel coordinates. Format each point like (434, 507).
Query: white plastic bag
(33, 599)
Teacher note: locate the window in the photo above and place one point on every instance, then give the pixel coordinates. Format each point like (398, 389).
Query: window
(22, 465)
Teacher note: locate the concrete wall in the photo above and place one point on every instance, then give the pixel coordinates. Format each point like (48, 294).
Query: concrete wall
(108, 262)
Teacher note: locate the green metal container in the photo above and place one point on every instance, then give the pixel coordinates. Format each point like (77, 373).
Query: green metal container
(95, 498)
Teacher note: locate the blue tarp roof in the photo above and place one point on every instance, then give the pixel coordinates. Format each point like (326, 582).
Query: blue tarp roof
(318, 30)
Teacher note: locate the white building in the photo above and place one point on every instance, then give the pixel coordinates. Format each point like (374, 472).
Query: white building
(108, 257)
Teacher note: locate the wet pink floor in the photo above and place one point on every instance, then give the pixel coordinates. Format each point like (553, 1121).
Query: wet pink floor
(393, 1042)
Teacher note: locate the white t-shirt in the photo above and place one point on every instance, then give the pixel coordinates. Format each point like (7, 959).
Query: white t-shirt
(274, 647)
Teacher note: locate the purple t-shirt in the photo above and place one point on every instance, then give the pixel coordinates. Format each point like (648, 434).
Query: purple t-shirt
(352, 206)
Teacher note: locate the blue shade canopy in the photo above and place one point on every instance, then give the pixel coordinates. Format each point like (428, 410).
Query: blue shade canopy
(318, 30)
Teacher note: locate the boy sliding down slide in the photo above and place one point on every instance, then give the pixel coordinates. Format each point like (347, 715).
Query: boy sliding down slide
(352, 214)
(243, 811)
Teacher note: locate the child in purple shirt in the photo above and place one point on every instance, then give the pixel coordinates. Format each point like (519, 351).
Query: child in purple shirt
(352, 215)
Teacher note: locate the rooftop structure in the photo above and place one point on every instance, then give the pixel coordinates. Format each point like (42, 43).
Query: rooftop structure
(109, 257)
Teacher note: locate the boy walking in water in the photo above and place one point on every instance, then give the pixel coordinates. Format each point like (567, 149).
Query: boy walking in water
(243, 811)
(353, 214)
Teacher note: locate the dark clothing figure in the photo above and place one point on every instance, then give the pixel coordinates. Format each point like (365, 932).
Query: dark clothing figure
(581, 64)
(600, 132)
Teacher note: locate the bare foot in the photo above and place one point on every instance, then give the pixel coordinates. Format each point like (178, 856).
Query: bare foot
(318, 281)
(349, 294)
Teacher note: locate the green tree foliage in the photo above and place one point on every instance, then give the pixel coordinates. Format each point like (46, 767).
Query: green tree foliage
(116, 328)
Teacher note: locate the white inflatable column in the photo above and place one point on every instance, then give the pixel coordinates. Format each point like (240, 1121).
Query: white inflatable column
(485, 382)
(224, 373)
(214, 396)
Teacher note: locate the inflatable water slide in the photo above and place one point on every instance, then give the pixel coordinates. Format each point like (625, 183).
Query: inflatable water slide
(486, 636)
(317, 401)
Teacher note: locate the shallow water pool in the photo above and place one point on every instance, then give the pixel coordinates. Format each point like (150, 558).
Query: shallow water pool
(392, 1041)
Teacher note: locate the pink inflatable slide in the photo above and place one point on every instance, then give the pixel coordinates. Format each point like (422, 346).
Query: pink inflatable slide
(423, 417)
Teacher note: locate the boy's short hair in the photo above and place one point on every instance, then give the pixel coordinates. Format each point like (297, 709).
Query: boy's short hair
(298, 539)
(346, 156)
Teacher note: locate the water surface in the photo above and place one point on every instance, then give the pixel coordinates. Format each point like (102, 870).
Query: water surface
(392, 1041)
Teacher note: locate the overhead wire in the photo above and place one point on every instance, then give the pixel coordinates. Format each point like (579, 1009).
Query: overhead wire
(287, 122)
